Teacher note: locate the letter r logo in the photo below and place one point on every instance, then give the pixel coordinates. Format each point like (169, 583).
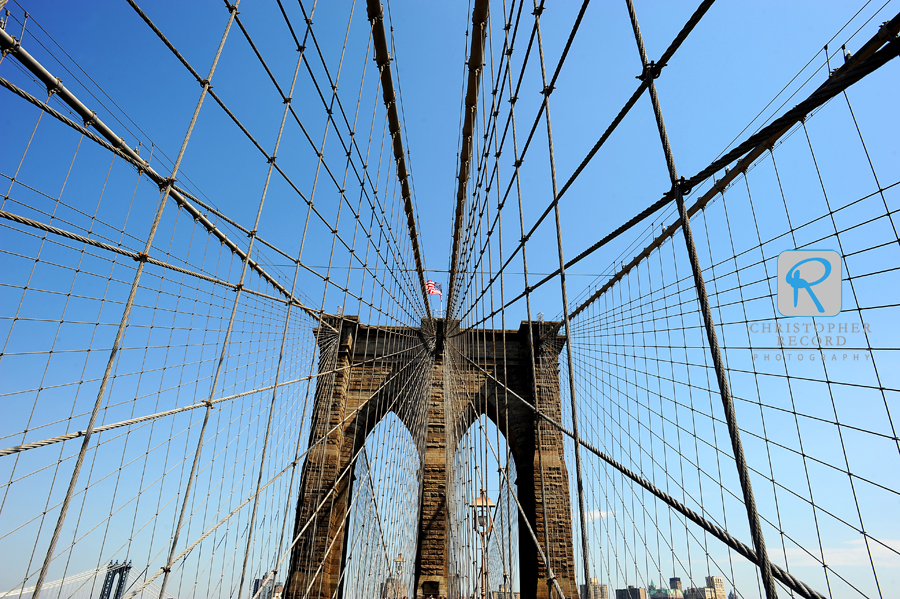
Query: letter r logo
(809, 283)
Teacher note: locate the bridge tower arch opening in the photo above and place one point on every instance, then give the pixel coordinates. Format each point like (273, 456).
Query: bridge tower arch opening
(447, 381)
(483, 460)
(383, 514)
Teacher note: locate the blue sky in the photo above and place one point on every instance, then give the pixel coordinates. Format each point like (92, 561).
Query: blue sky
(740, 57)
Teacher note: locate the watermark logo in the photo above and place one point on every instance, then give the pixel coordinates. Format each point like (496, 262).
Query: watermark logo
(809, 283)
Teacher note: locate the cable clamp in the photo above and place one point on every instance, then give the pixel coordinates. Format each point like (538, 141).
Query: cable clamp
(683, 186)
(509, 51)
(142, 257)
(238, 286)
(252, 233)
(208, 403)
(651, 71)
(513, 99)
(14, 48)
(56, 88)
(548, 90)
(90, 120)
(272, 159)
(537, 11)
(233, 8)
(205, 84)
(518, 163)
(166, 183)
(287, 100)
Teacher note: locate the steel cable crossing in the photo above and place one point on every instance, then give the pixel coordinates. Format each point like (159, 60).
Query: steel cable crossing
(479, 235)
(237, 436)
(386, 291)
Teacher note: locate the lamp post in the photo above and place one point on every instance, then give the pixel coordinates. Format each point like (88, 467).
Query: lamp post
(483, 526)
(398, 564)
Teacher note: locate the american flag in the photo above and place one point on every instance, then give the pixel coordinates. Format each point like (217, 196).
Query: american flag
(434, 288)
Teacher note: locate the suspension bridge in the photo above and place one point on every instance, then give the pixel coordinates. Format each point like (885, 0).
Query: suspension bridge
(225, 371)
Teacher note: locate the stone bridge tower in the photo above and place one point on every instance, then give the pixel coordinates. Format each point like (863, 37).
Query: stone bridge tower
(319, 555)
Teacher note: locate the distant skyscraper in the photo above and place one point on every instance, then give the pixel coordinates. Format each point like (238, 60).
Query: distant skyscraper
(675, 583)
(265, 587)
(631, 593)
(594, 590)
(717, 585)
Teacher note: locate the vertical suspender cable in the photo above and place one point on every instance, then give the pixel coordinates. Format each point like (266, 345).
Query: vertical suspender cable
(651, 72)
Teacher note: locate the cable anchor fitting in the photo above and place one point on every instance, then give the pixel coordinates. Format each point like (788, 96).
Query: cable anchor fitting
(682, 186)
(12, 49)
(651, 71)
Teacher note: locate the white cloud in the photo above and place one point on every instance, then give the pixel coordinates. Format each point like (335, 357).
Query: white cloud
(885, 554)
(592, 515)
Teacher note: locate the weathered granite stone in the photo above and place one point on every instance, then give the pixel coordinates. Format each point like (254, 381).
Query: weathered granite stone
(352, 400)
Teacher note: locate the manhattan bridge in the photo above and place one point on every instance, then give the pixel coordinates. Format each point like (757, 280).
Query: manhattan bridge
(228, 372)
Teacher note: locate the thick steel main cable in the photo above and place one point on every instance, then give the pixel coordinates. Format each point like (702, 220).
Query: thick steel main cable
(585, 555)
(791, 581)
(287, 100)
(179, 195)
(666, 56)
(382, 59)
(475, 64)
(12, 46)
(272, 387)
(54, 85)
(866, 60)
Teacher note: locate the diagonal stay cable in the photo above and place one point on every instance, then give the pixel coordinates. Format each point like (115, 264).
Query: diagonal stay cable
(864, 62)
(714, 529)
(117, 144)
(666, 56)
